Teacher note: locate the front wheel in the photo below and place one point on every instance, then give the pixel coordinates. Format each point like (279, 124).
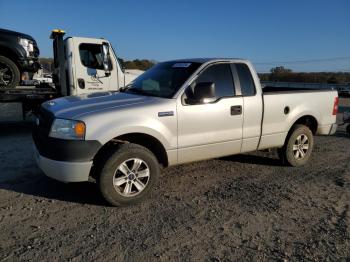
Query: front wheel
(9, 73)
(128, 175)
(298, 146)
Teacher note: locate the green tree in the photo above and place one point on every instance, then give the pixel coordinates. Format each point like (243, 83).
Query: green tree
(280, 70)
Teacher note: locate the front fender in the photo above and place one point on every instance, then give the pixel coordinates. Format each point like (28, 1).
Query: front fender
(14, 50)
(163, 129)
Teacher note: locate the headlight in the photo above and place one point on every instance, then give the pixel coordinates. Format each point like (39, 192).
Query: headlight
(23, 42)
(26, 44)
(68, 129)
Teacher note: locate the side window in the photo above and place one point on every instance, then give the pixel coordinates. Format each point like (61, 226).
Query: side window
(221, 75)
(91, 56)
(246, 80)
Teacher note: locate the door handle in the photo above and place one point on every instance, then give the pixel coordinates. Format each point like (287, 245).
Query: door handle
(236, 110)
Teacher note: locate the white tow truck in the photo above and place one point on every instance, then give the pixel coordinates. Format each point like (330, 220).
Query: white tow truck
(81, 65)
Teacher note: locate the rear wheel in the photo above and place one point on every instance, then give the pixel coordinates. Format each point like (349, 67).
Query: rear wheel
(9, 73)
(128, 175)
(298, 146)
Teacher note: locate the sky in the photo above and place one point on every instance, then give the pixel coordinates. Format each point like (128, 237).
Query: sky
(304, 35)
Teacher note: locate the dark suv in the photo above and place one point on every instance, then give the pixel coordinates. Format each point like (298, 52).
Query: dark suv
(18, 54)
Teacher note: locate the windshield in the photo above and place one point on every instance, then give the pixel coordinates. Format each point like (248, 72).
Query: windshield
(163, 79)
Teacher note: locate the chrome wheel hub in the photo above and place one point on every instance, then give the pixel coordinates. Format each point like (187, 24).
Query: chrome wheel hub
(6, 75)
(131, 177)
(301, 147)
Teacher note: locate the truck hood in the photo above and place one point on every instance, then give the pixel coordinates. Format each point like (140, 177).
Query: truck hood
(15, 34)
(71, 107)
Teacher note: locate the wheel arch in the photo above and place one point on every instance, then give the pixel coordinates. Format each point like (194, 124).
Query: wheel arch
(142, 139)
(10, 54)
(307, 120)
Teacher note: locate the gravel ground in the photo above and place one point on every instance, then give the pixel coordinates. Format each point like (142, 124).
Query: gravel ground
(245, 207)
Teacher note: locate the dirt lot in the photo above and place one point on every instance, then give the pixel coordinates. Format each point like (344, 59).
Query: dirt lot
(245, 207)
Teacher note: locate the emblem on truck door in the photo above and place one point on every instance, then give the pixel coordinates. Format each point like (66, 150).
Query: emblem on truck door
(166, 113)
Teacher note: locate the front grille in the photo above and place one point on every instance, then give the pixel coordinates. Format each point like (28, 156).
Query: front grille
(45, 118)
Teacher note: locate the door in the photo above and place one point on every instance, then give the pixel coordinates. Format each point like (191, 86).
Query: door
(208, 130)
(89, 72)
(253, 107)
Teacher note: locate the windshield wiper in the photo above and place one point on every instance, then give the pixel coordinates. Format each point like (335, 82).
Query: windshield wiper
(131, 89)
(124, 88)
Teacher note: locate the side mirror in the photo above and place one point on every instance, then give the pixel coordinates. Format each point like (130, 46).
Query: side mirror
(106, 58)
(204, 92)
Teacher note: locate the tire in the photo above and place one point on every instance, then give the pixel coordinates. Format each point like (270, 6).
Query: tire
(348, 129)
(298, 146)
(9, 73)
(121, 182)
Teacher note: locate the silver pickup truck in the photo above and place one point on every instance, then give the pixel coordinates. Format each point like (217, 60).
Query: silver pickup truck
(177, 112)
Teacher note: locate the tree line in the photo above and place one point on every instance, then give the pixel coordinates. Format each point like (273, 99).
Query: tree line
(281, 74)
(142, 64)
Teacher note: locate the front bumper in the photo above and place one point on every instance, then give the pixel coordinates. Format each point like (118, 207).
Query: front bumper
(62, 170)
(60, 149)
(64, 160)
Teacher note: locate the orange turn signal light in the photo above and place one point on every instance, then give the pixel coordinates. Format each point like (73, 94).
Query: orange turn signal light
(79, 129)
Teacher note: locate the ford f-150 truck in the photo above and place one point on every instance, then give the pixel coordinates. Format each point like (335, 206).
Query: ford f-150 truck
(177, 112)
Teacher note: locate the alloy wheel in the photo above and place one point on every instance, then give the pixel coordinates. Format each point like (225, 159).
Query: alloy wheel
(131, 177)
(6, 75)
(301, 147)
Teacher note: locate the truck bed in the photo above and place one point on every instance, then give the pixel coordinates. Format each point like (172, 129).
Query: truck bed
(283, 106)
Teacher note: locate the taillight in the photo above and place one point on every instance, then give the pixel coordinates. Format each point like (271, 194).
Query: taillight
(335, 106)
